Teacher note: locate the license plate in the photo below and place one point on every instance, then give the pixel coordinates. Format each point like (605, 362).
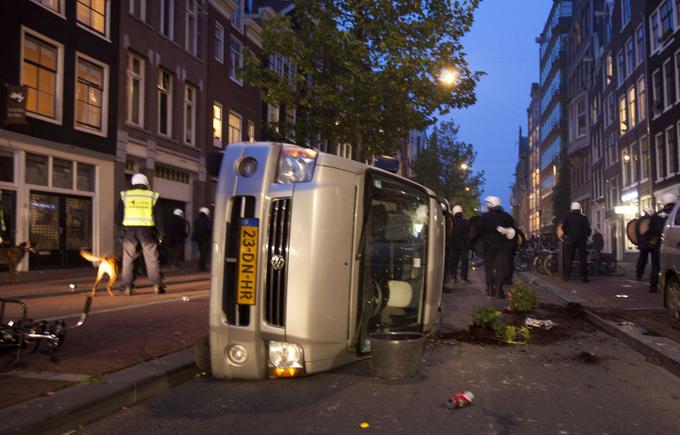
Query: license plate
(247, 262)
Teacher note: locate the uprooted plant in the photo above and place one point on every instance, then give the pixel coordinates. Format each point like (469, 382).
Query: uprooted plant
(490, 318)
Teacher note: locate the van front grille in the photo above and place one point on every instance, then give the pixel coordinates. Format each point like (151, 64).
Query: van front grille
(242, 207)
(277, 262)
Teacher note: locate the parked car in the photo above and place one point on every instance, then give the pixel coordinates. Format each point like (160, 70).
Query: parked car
(313, 253)
(669, 274)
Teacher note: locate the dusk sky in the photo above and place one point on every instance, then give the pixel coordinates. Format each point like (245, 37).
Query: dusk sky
(502, 44)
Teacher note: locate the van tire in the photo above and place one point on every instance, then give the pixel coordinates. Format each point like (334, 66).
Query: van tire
(202, 354)
(672, 301)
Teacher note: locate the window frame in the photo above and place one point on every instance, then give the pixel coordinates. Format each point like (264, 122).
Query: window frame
(630, 57)
(671, 151)
(169, 92)
(218, 50)
(103, 131)
(190, 104)
(625, 13)
(632, 107)
(62, 9)
(107, 21)
(167, 33)
(644, 158)
(231, 129)
(620, 68)
(130, 76)
(667, 82)
(251, 131)
(624, 121)
(659, 156)
(640, 45)
(657, 93)
(218, 140)
(676, 60)
(191, 40)
(142, 9)
(59, 76)
(641, 98)
(233, 69)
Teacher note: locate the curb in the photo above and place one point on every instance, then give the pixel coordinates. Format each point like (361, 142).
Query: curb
(82, 404)
(665, 350)
(88, 291)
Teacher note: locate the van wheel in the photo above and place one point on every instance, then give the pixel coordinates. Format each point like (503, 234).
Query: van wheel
(202, 354)
(672, 299)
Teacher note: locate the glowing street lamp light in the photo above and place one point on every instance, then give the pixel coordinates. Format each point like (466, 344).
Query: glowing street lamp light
(448, 76)
(463, 166)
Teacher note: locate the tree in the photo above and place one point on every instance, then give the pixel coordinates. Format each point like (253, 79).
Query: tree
(439, 167)
(366, 72)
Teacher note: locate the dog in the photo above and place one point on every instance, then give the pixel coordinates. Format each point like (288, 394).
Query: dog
(109, 266)
(12, 256)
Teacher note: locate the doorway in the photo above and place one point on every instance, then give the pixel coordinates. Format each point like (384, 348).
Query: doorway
(60, 225)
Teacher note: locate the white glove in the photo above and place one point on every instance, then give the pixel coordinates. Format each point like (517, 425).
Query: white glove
(509, 233)
(501, 229)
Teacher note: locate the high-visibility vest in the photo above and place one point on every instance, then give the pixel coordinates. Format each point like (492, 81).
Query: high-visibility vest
(138, 210)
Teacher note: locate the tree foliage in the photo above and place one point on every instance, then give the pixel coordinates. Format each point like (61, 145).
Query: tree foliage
(439, 167)
(367, 72)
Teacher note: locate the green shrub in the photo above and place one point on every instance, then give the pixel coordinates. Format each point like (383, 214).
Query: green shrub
(512, 334)
(486, 317)
(522, 298)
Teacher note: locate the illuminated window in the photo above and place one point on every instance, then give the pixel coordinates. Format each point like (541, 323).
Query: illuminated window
(92, 13)
(217, 124)
(235, 127)
(91, 93)
(41, 74)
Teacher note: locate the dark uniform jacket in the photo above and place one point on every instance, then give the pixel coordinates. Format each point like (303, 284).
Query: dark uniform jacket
(202, 229)
(177, 229)
(598, 242)
(658, 222)
(576, 227)
(459, 235)
(487, 223)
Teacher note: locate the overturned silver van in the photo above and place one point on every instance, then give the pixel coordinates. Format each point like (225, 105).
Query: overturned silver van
(311, 254)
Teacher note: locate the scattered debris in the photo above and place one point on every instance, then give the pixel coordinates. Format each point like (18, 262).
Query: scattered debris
(588, 358)
(459, 400)
(622, 296)
(185, 298)
(654, 360)
(536, 323)
(364, 425)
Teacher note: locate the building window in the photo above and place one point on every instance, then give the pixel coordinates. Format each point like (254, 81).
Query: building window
(219, 43)
(642, 99)
(237, 17)
(92, 13)
(164, 103)
(189, 114)
(612, 155)
(655, 34)
(660, 157)
(85, 177)
(640, 44)
(235, 129)
(251, 131)
(632, 107)
(235, 60)
(630, 56)
(36, 169)
(191, 43)
(634, 162)
(609, 69)
(273, 116)
(135, 90)
(620, 68)
(644, 160)
(56, 6)
(611, 109)
(677, 74)
(137, 8)
(6, 166)
(172, 174)
(62, 173)
(41, 72)
(581, 117)
(666, 13)
(657, 94)
(625, 13)
(168, 18)
(217, 124)
(671, 152)
(623, 115)
(91, 94)
(668, 84)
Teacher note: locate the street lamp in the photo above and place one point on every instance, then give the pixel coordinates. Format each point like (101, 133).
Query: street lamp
(463, 166)
(448, 76)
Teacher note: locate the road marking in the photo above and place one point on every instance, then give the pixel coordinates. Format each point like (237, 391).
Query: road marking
(47, 376)
(129, 307)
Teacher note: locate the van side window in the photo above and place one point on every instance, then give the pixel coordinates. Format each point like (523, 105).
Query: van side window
(676, 220)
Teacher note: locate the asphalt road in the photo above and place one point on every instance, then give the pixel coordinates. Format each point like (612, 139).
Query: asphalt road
(574, 380)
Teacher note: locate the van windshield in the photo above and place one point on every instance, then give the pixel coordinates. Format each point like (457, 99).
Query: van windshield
(393, 266)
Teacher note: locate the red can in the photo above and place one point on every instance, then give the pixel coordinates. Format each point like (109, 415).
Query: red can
(459, 400)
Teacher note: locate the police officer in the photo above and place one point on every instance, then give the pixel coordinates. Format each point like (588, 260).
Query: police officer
(576, 232)
(496, 229)
(459, 245)
(644, 247)
(656, 225)
(176, 232)
(203, 235)
(141, 221)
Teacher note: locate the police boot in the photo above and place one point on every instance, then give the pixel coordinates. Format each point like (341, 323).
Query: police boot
(127, 291)
(159, 289)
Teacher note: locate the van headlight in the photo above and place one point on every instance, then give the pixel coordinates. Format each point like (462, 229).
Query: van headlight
(285, 359)
(296, 164)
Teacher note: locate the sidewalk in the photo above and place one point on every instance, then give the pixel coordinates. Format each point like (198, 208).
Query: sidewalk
(55, 282)
(623, 307)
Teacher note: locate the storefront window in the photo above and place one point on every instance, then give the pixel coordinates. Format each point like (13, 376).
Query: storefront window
(62, 174)
(6, 166)
(85, 179)
(36, 169)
